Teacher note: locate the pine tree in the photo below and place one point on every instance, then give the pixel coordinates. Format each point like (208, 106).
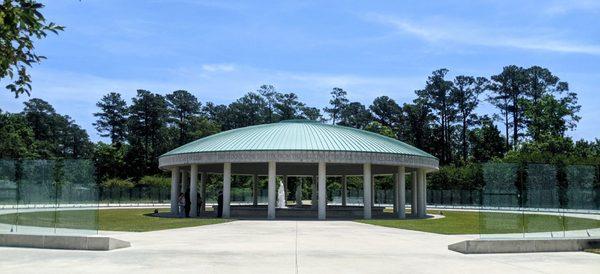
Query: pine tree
(183, 107)
(112, 118)
(338, 102)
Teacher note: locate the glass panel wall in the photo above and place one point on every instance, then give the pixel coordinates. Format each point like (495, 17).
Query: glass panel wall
(8, 196)
(541, 195)
(581, 196)
(48, 197)
(539, 201)
(500, 201)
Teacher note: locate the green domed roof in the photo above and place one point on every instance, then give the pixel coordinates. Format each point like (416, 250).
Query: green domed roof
(298, 135)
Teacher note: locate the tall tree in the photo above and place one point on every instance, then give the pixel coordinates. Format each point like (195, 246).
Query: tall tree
(217, 114)
(356, 115)
(109, 161)
(387, 112)
(56, 135)
(546, 111)
(21, 23)
(338, 102)
(16, 137)
(112, 118)
(466, 93)
(270, 94)
(250, 109)
(75, 141)
(288, 106)
(147, 131)
(502, 102)
(183, 106)
(201, 127)
(437, 95)
(41, 115)
(418, 123)
(509, 88)
(377, 127)
(486, 141)
(311, 113)
(551, 116)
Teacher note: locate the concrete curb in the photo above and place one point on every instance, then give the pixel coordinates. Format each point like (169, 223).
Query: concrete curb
(99, 243)
(485, 246)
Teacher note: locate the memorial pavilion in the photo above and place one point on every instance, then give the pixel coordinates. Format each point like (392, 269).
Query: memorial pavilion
(300, 148)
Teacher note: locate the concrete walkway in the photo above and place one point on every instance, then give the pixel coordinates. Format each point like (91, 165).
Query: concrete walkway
(289, 247)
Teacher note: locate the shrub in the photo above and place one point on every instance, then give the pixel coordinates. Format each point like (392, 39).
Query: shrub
(116, 183)
(155, 181)
(451, 177)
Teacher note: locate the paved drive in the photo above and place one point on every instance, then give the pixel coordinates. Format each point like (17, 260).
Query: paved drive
(289, 247)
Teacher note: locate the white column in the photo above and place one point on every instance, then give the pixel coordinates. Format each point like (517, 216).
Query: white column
(419, 194)
(175, 176)
(322, 191)
(425, 192)
(401, 192)
(422, 204)
(344, 190)
(254, 190)
(313, 193)
(367, 191)
(194, 190)
(185, 180)
(226, 190)
(203, 177)
(414, 208)
(372, 190)
(395, 193)
(271, 190)
(285, 189)
(299, 182)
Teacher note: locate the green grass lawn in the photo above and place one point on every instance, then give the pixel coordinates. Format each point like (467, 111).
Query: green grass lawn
(594, 250)
(129, 219)
(455, 222)
(463, 222)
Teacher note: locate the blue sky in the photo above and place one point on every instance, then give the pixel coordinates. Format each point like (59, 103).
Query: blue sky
(219, 50)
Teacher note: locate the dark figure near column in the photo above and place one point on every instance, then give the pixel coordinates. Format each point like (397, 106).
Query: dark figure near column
(198, 204)
(188, 204)
(220, 205)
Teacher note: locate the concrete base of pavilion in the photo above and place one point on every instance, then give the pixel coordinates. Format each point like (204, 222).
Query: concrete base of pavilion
(305, 212)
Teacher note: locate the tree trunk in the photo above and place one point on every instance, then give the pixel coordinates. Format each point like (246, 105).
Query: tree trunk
(444, 144)
(464, 138)
(507, 130)
(515, 128)
(515, 120)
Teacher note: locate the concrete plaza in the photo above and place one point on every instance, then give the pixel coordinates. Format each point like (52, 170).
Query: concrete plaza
(289, 247)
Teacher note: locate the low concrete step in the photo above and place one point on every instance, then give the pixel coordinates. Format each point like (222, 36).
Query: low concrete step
(482, 246)
(101, 243)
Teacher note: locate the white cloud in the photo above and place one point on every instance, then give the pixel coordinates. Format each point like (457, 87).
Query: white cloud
(218, 67)
(442, 31)
(563, 7)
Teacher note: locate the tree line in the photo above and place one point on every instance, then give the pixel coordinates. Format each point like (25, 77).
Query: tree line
(534, 109)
